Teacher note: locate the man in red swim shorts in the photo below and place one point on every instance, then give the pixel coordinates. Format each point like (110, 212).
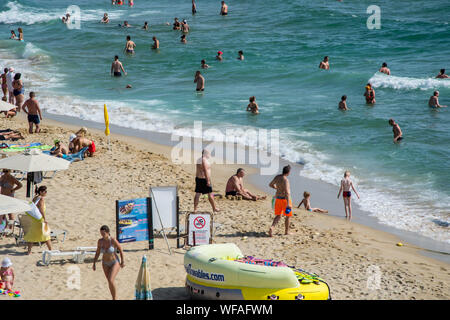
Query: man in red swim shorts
(283, 202)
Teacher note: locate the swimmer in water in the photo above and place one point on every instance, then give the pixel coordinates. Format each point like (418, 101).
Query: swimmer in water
(398, 134)
(184, 26)
(442, 75)
(343, 103)
(325, 64)
(130, 3)
(145, 27)
(204, 65)
(129, 46)
(194, 7)
(13, 35)
(369, 94)
(223, 9)
(252, 106)
(200, 80)
(183, 39)
(240, 55)
(125, 24)
(176, 24)
(116, 67)
(434, 101)
(105, 18)
(155, 43)
(20, 34)
(384, 69)
(219, 55)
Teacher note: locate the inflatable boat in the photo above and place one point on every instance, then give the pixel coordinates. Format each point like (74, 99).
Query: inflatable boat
(222, 272)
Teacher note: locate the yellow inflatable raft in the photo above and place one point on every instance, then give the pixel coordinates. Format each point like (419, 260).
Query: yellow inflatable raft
(221, 272)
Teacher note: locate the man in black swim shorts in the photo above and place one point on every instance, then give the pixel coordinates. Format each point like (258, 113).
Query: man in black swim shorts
(203, 181)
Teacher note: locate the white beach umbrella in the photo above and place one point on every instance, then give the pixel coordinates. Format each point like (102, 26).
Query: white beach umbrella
(34, 161)
(5, 106)
(12, 205)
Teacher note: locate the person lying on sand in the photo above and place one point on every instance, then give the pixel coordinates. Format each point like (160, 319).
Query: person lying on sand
(235, 187)
(10, 135)
(307, 204)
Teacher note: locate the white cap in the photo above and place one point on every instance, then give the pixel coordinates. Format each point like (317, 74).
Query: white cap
(11, 69)
(184, 20)
(6, 263)
(72, 136)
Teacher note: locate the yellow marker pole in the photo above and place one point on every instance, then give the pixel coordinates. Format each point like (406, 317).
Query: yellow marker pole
(107, 132)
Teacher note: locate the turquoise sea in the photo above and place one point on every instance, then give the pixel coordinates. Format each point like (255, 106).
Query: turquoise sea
(405, 186)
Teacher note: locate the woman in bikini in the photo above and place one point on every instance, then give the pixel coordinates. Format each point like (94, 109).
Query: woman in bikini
(4, 84)
(18, 91)
(346, 184)
(369, 94)
(110, 261)
(9, 185)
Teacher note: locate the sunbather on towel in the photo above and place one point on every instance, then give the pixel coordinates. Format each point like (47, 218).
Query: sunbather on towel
(59, 149)
(11, 135)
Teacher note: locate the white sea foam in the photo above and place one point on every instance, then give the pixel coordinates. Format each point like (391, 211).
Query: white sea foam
(381, 80)
(20, 14)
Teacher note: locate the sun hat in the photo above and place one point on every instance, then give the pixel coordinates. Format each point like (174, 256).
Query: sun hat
(72, 136)
(56, 141)
(6, 263)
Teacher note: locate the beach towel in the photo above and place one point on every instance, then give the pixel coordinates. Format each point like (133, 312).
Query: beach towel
(23, 147)
(79, 156)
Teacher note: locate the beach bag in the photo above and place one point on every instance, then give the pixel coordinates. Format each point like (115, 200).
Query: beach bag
(46, 229)
(35, 212)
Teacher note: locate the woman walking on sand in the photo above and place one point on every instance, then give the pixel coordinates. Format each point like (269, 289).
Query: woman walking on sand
(110, 261)
(36, 233)
(346, 184)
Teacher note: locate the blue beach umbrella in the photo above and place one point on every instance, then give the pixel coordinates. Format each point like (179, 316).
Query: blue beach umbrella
(143, 290)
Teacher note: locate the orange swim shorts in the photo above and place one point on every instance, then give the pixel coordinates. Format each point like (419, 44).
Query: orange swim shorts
(280, 207)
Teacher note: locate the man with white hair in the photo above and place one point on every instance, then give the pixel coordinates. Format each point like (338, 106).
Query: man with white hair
(203, 180)
(9, 80)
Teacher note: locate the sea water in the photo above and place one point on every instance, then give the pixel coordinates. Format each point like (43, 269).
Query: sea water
(403, 185)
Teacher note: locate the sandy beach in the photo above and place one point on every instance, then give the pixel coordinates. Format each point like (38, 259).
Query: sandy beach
(82, 199)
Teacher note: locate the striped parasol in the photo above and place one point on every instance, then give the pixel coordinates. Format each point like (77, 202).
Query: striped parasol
(143, 290)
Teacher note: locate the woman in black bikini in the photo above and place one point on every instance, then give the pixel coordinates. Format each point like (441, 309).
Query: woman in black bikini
(110, 261)
(18, 91)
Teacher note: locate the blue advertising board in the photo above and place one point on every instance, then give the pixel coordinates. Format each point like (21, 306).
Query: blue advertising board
(132, 221)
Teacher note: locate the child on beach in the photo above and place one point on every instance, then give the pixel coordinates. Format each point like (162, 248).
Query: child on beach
(307, 204)
(7, 274)
(346, 184)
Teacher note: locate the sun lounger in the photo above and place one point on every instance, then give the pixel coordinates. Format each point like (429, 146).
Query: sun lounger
(78, 256)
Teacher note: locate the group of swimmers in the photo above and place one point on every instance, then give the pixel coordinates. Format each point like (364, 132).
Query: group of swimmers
(15, 37)
(369, 94)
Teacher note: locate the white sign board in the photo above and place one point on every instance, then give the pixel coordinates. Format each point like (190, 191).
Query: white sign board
(200, 224)
(164, 202)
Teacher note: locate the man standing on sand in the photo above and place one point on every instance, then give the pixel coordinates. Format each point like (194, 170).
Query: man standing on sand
(398, 135)
(235, 187)
(200, 81)
(155, 43)
(325, 64)
(33, 112)
(116, 67)
(283, 202)
(384, 69)
(434, 101)
(224, 9)
(203, 181)
(9, 80)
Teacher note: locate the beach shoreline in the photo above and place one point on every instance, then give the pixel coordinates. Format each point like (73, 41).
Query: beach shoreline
(323, 244)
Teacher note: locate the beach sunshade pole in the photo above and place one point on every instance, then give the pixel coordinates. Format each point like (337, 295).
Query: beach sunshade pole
(143, 290)
(160, 221)
(107, 132)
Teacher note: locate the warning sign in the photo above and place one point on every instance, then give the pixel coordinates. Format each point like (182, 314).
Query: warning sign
(199, 228)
